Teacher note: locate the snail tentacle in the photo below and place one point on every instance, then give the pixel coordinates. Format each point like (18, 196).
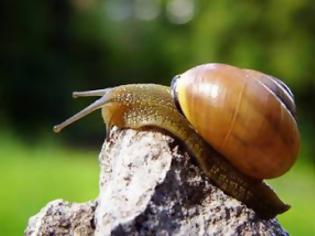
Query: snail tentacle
(94, 106)
(91, 93)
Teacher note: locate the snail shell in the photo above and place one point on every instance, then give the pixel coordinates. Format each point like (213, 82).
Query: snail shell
(246, 115)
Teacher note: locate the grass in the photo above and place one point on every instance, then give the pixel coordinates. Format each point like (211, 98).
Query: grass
(32, 175)
(297, 188)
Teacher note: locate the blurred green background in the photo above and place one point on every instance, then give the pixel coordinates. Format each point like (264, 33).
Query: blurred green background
(50, 48)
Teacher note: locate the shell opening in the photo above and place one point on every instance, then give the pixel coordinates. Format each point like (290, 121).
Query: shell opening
(174, 93)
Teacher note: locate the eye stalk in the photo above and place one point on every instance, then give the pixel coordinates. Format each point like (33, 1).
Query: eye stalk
(103, 93)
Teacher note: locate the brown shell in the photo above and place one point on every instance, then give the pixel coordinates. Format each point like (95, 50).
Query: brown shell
(246, 115)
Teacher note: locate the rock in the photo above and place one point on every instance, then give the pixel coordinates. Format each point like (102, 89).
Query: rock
(63, 218)
(149, 185)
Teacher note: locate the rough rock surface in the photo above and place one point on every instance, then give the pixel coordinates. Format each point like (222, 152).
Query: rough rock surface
(150, 186)
(63, 218)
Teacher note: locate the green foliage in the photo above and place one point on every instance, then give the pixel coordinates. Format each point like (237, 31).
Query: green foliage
(84, 45)
(31, 176)
(297, 188)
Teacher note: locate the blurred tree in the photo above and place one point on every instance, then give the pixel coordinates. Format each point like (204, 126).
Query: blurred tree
(49, 48)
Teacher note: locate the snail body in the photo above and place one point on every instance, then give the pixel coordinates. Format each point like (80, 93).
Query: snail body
(146, 105)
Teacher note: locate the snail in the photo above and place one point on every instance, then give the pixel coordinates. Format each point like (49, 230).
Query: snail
(220, 113)
(247, 116)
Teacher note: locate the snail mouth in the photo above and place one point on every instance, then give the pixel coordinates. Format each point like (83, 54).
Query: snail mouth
(174, 93)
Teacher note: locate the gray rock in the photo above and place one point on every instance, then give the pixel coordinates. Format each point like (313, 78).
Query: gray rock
(149, 185)
(63, 218)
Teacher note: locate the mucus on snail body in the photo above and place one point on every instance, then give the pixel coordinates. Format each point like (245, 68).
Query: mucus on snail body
(240, 125)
